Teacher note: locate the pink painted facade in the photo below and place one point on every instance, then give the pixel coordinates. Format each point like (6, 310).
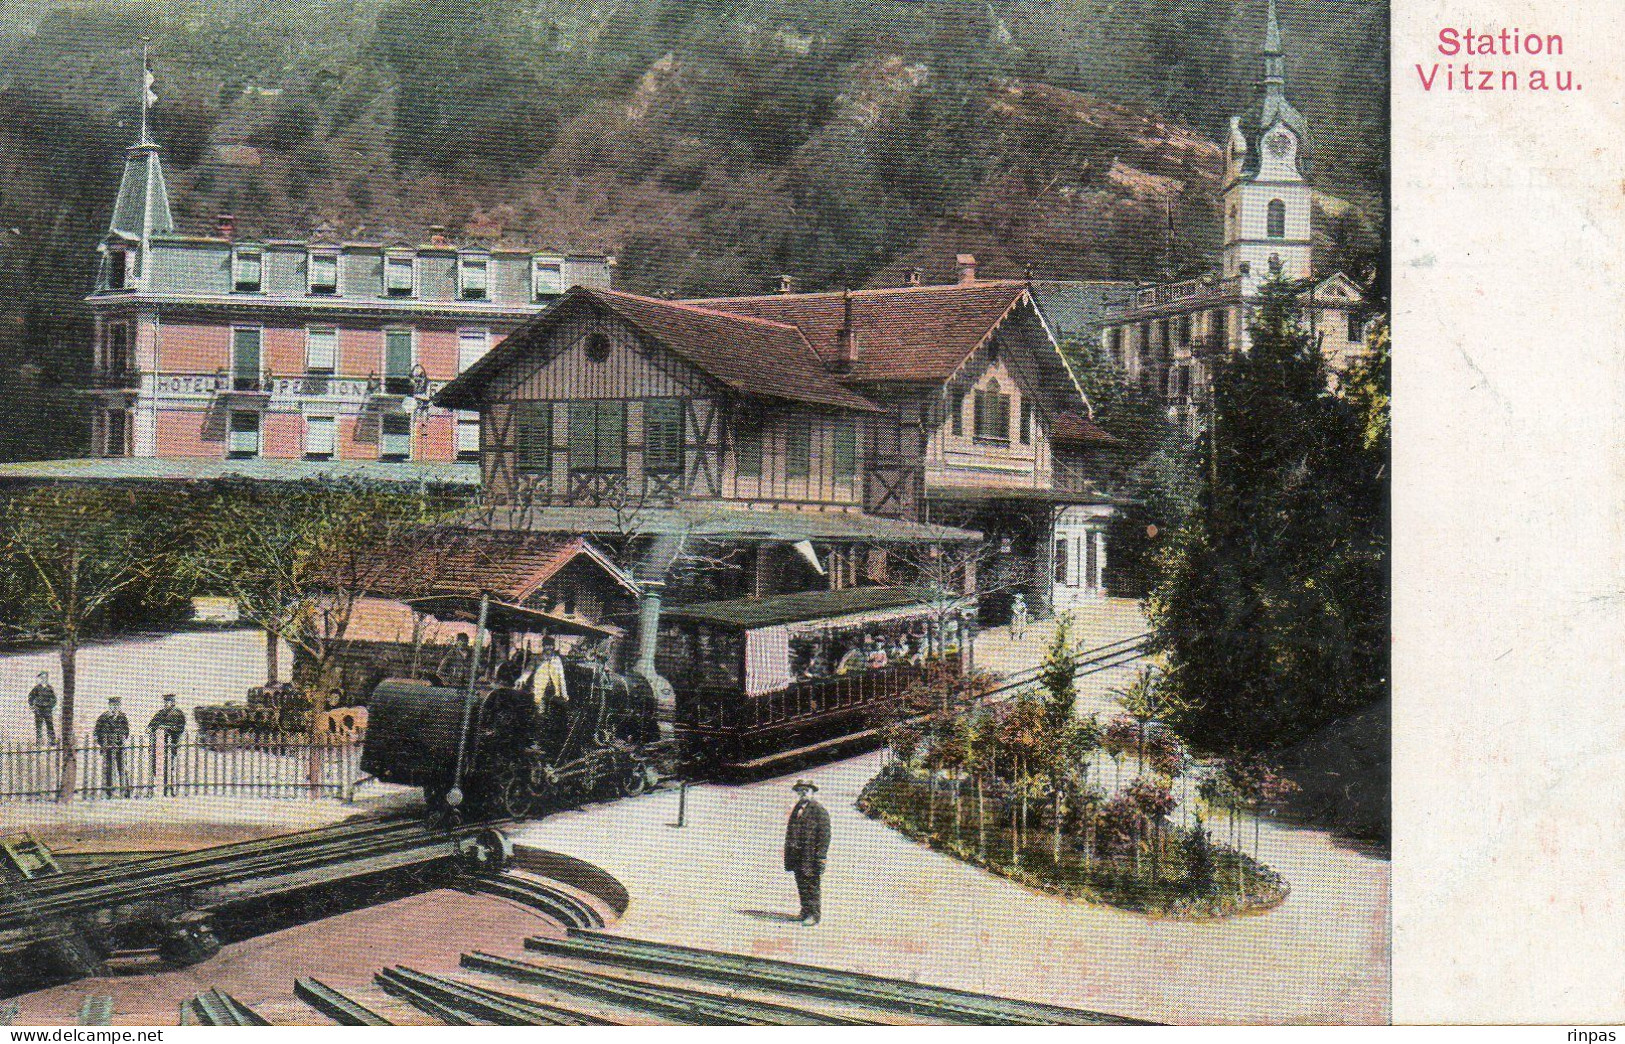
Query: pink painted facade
(224, 346)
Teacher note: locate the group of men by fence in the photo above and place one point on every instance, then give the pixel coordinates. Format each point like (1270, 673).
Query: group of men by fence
(112, 734)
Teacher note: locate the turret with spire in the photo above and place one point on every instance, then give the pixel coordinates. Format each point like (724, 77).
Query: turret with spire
(142, 207)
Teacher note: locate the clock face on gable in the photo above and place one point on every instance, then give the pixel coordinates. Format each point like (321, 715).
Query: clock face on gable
(1279, 144)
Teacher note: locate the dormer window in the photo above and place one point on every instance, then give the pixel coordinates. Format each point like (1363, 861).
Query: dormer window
(400, 275)
(473, 276)
(324, 273)
(118, 269)
(246, 264)
(546, 277)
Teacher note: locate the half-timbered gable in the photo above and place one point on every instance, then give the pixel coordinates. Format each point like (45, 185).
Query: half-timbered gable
(617, 399)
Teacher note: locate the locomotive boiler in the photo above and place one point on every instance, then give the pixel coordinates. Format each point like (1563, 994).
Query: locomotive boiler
(533, 730)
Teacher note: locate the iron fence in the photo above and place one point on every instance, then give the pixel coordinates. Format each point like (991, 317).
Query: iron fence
(247, 765)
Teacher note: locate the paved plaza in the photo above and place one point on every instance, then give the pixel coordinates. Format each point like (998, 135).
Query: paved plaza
(893, 907)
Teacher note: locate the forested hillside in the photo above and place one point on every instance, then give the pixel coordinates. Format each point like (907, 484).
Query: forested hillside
(709, 144)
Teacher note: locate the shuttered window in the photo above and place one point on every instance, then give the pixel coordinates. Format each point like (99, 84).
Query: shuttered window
(324, 274)
(398, 362)
(798, 451)
(471, 347)
(245, 359)
(598, 435)
(959, 413)
(396, 443)
(245, 434)
(320, 437)
(321, 349)
(1275, 219)
(663, 436)
(533, 438)
(473, 272)
(245, 271)
(398, 279)
(846, 448)
(1026, 423)
(748, 449)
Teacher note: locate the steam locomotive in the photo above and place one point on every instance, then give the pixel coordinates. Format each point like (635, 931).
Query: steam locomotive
(539, 731)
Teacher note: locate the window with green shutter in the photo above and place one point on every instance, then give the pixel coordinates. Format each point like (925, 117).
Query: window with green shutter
(245, 359)
(798, 451)
(663, 436)
(748, 448)
(533, 446)
(598, 436)
(846, 448)
(398, 362)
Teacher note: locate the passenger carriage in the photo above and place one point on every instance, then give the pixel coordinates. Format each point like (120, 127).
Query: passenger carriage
(767, 682)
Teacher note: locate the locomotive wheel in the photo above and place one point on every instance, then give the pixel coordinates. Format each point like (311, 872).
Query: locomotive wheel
(512, 792)
(634, 780)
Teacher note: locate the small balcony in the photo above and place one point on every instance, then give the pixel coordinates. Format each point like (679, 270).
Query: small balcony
(115, 378)
(244, 386)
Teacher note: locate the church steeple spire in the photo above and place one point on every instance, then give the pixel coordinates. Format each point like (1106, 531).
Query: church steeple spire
(142, 207)
(1274, 60)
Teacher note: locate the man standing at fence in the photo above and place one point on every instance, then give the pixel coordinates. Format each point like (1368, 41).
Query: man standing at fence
(112, 730)
(42, 700)
(169, 722)
(806, 843)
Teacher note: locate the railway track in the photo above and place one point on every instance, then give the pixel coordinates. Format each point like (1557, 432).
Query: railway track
(54, 908)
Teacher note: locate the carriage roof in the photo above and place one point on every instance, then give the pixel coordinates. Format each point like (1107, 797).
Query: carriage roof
(507, 618)
(747, 614)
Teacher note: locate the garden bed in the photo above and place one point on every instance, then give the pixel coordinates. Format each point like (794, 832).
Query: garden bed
(1162, 877)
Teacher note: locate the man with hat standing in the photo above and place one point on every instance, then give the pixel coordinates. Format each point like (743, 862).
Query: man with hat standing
(170, 721)
(111, 732)
(806, 843)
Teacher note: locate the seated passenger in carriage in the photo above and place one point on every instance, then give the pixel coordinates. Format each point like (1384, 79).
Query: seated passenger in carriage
(854, 660)
(875, 652)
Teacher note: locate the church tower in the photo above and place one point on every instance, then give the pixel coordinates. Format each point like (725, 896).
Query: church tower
(1267, 198)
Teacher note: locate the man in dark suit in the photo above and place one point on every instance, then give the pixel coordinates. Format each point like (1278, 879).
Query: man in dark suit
(806, 844)
(170, 723)
(112, 731)
(42, 699)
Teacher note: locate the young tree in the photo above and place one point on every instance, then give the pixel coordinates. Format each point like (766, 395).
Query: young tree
(1272, 608)
(68, 554)
(297, 557)
(1147, 703)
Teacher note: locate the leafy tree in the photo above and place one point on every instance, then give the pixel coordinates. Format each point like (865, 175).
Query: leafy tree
(1058, 675)
(1146, 703)
(1272, 609)
(69, 555)
(297, 557)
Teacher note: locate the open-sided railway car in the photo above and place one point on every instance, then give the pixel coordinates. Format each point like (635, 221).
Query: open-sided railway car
(763, 681)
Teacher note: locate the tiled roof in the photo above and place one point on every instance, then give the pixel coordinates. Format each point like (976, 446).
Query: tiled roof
(748, 356)
(510, 566)
(915, 333)
(1076, 428)
(753, 356)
